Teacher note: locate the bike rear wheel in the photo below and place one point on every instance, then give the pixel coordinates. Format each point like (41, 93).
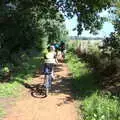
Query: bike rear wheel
(39, 92)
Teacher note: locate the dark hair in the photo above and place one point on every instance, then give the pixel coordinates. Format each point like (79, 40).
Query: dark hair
(48, 48)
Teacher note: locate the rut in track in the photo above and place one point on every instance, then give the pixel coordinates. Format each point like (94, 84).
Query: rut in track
(59, 105)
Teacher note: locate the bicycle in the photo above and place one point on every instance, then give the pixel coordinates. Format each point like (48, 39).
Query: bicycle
(36, 90)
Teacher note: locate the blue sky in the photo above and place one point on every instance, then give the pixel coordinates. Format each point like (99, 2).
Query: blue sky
(105, 31)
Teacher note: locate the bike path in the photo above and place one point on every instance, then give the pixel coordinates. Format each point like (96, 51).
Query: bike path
(59, 105)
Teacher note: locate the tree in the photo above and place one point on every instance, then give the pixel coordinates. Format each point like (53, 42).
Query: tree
(111, 45)
(21, 21)
(113, 42)
(25, 24)
(87, 12)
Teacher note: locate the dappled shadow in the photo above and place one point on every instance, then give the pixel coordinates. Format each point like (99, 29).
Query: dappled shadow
(84, 86)
(110, 75)
(61, 60)
(5, 78)
(59, 65)
(61, 85)
(66, 100)
(58, 69)
(81, 86)
(37, 73)
(40, 71)
(36, 90)
(23, 71)
(112, 84)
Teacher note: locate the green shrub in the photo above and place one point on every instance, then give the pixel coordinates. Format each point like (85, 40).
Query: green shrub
(4, 72)
(94, 104)
(19, 74)
(101, 107)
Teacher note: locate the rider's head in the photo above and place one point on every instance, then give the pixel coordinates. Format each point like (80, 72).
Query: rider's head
(51, 48)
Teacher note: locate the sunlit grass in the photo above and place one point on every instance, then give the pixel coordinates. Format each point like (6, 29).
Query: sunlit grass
(83, 79)
(101, 107)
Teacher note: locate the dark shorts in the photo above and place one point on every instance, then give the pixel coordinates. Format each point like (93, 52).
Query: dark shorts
(48, 68)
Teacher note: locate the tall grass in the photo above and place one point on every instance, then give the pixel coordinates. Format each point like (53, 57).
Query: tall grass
(93, 103)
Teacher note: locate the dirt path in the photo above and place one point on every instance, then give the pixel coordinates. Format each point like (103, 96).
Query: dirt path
(59, 105)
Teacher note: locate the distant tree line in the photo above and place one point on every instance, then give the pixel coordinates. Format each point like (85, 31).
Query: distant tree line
(85, 38)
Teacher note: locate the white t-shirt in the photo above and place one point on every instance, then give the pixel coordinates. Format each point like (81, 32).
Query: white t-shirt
(50, 58)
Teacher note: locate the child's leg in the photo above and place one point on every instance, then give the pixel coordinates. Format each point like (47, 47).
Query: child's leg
(53, 74)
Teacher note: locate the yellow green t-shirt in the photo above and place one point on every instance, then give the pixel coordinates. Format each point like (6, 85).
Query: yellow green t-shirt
(50, 57)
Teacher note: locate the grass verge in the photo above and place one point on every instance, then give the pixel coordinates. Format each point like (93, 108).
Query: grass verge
(24, 73)
(2, 112)
(94, 104)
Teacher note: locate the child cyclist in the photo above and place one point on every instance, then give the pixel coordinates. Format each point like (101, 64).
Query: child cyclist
(49, 62)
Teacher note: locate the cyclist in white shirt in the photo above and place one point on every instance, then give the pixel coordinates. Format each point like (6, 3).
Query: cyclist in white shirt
(50, 61)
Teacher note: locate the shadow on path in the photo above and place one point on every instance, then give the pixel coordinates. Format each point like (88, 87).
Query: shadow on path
(61, 85)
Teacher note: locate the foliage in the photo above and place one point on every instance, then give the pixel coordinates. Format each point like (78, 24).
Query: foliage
(86, 12)
(89, 53)
(93, 103)
(101, 107)
(111, 45)
(83, 81)
(27, 24)
(22, 74)
(104, 61)
(4, 72)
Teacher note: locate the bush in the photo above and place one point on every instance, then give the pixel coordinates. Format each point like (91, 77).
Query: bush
(95, 104)
(101, 107)
(4, 74)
